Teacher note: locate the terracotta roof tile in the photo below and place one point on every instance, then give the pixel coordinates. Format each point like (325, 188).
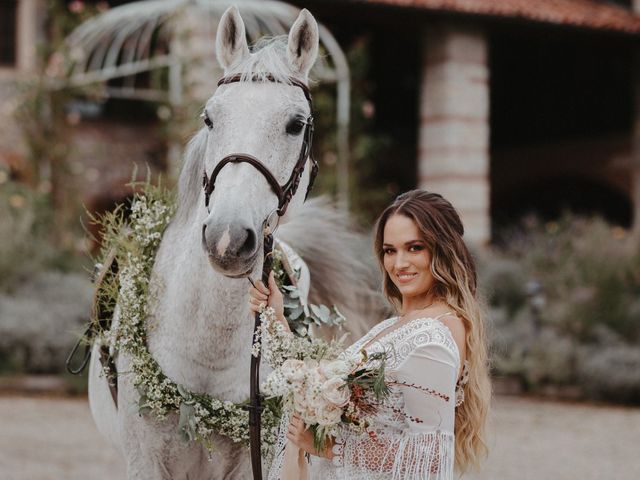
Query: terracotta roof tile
(591, 14)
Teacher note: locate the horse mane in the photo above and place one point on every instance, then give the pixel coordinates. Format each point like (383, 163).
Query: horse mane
(268, 61)
(343, 270)
(190, 181)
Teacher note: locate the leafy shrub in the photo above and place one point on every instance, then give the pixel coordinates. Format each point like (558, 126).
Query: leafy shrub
(41, 320)
(611, 373)
(590, 278)
(23, 248)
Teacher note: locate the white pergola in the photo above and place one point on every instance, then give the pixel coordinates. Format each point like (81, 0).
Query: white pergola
(150, 35)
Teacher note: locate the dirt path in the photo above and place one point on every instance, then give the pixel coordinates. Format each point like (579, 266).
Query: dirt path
(540, 440)
(55, 439)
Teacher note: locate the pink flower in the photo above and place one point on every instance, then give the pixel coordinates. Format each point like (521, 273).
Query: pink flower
(335, 391)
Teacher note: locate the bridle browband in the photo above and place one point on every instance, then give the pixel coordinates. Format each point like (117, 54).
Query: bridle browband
(284, 192)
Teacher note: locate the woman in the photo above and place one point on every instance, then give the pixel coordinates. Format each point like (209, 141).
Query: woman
(437, 365)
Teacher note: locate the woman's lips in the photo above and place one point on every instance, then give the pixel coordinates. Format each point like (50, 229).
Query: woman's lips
(406, 277)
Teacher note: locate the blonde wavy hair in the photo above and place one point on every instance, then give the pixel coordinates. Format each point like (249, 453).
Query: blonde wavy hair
(455, 277)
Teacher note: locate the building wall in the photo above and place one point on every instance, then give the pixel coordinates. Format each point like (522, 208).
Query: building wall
(453, 157)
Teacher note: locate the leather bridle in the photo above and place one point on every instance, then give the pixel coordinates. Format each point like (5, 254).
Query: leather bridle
(284, 193)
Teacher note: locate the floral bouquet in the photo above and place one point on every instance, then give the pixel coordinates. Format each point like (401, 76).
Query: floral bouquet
(310, 380)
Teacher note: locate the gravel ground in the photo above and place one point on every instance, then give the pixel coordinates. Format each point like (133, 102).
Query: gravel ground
(55, 439)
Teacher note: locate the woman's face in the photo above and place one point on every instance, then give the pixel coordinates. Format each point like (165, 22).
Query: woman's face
(407, 260)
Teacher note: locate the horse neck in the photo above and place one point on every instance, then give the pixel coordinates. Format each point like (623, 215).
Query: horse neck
(200, 327)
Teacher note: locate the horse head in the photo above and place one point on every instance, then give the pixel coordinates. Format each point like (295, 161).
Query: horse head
(255, 128)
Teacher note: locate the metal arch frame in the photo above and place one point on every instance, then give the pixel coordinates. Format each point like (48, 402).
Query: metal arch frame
(119, 43)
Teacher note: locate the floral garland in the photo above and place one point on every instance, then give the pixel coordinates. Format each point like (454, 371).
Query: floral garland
(136, 242)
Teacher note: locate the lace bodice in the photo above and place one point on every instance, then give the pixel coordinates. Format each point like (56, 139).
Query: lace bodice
(412, 434)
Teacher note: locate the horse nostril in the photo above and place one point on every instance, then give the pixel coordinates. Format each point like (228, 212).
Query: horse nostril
(249, 244)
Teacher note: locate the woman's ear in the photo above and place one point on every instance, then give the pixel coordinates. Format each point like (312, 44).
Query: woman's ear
(231, 40)
(303, 44)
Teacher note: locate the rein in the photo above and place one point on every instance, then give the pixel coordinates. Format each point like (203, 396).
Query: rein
(284, 193)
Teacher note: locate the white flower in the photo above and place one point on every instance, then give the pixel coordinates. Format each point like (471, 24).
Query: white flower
(328, 416)
(294, 370)
(299, 400)
(335, 368)
(309, 416)
(335, 391)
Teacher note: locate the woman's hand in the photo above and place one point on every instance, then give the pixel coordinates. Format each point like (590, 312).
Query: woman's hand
(261, 296)
(303, 438)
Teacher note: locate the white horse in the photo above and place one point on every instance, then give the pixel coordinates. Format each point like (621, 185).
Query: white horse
(200, 330)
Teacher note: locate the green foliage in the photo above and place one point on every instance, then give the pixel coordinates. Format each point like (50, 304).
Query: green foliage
(611, 373)
(44, 120)
(300, 317)
(40, 320)
(367, 193)
(23, 233)
(589, 309)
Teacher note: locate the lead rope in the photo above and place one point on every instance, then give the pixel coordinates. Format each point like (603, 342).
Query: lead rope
(255, 401)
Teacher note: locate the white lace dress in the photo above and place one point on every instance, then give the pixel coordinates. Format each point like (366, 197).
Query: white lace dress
(411, 436)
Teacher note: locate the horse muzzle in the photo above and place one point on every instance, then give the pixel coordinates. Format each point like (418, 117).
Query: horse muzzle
(233, 250)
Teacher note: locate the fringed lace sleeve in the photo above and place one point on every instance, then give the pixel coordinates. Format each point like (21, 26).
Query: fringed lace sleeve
(421, 445)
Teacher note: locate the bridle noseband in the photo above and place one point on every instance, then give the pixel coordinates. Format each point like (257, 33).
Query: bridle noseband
(284, 192)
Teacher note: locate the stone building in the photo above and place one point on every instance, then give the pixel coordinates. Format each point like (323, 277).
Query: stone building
(504, 106)
(507, 106)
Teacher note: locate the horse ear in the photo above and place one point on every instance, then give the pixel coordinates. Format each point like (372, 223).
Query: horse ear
(303, 43)
(231, 41)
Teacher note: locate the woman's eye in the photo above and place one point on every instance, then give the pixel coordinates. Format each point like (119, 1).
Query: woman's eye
(294, 127)
(207, 120)
(416, 248)
(387, 251)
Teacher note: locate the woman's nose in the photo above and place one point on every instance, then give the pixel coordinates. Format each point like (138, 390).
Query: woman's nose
(402, 261)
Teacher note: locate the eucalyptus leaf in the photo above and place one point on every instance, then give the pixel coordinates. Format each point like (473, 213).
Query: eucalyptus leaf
(325, 314)
(315, 309)
(295, 313)
(186, 423)
(183, 393)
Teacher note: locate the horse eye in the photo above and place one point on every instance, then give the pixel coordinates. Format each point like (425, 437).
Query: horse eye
(207, 120)
(295, 126)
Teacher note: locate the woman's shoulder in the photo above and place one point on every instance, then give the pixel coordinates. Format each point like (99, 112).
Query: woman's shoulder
(458, 330)
(443, 330)
(446, 331)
